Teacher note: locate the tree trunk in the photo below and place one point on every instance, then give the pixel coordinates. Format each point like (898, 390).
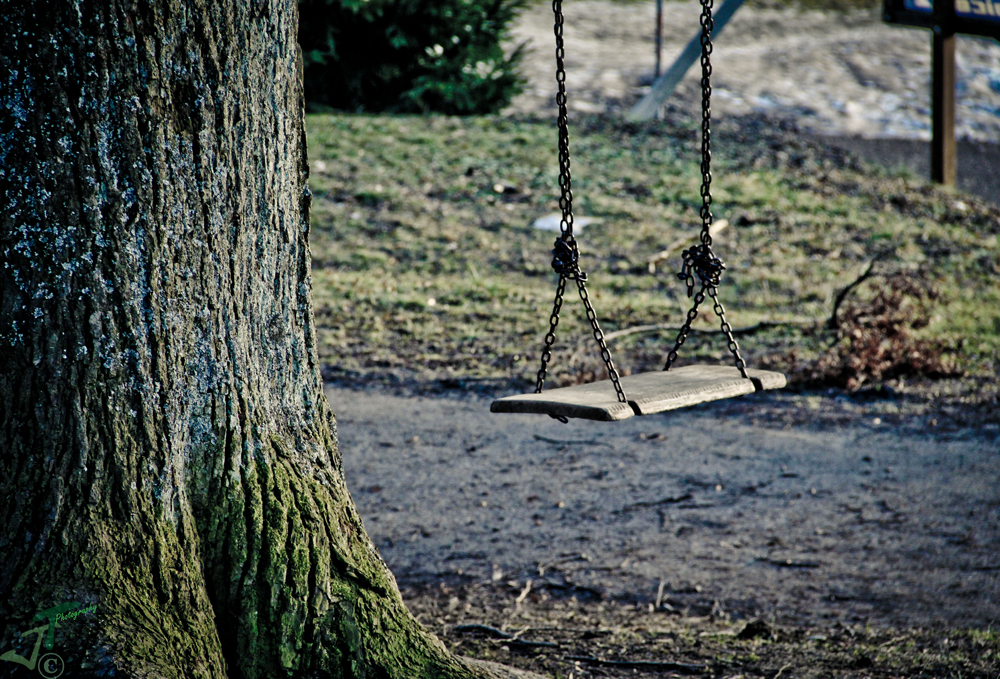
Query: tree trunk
(169, 474)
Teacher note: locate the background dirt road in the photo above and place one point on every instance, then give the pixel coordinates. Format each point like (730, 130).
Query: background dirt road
(833, 73)
(847, 77)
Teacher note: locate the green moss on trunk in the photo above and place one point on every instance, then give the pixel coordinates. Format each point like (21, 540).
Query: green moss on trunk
(166, 451)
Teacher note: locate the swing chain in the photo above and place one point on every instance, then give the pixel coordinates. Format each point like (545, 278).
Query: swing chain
(734, 347)
(707, 24)
(699, 261)
(686, 328)
(550, 337)
(599, 337)
(566, 260)
(562, 122)
(566, 252)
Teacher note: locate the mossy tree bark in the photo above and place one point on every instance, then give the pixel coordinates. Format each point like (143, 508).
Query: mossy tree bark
(166, 450)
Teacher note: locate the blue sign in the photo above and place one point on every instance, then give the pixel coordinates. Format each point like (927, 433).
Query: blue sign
(966, 9)
(975, 17)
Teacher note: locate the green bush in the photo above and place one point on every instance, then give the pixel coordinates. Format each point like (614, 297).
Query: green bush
(407, 56)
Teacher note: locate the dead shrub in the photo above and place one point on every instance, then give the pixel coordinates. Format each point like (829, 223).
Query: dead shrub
(875, 339)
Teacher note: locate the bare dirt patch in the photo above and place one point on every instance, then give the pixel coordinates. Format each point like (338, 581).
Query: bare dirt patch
(830, 518)
(833, 73)
(859, 521)
(845, 77)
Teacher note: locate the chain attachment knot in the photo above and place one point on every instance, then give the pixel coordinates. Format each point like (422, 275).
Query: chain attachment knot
(566, 259)
(700, 261)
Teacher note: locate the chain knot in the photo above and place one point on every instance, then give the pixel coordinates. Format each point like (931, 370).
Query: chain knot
(700, 261)
(566, 260)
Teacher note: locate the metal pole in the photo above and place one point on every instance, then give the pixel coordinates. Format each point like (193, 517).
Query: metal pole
(664, 86)
(943, 106)
(659, 35)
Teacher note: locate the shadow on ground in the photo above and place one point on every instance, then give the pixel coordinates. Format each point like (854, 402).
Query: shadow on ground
(978, 163)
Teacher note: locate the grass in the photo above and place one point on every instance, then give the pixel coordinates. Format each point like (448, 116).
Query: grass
(829, 5)
(426, 265)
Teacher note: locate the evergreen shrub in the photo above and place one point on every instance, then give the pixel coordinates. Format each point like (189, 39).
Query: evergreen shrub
(408, 56)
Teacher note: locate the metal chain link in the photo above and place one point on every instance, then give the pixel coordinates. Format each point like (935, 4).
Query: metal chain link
(599, 336)
(686, 328)
(707, 24)
(566, 253)
(734, 347)
(699, 261)
(550, 337)
(562, 121)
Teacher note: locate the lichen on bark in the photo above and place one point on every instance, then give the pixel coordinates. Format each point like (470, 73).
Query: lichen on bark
(166, 451)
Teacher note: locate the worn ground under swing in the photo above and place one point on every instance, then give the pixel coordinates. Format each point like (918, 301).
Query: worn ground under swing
(844, 523)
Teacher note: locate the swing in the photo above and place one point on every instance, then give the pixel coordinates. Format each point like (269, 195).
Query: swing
(652, 392)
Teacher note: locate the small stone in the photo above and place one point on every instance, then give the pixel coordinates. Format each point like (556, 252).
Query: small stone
(756, 629)
(551, 222)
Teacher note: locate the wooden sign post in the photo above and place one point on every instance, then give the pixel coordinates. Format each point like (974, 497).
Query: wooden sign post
(943, 108)
(975, 17)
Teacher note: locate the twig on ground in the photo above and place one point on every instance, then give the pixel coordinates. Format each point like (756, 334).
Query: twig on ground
(639, 328)
(790, 563)
(639, 664)
(590, 442)
(524, 593)
(473, 628)
(894, 641)
(500, 635)
(832, 323)
(546, 565)
(535, 644)
(656, 503)
(764, 325)
(737, 332)
(570, 587)
(714, 230)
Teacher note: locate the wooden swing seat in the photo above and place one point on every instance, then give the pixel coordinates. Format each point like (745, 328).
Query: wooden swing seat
(647, 393)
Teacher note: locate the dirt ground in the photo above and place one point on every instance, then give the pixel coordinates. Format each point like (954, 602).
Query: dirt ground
(801, 509)
(850, 78)
(845, 74)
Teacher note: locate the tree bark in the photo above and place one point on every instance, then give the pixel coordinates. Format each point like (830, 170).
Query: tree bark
(168, 461)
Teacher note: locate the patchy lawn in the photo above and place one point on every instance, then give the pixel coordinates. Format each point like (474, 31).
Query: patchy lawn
(426, 265)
